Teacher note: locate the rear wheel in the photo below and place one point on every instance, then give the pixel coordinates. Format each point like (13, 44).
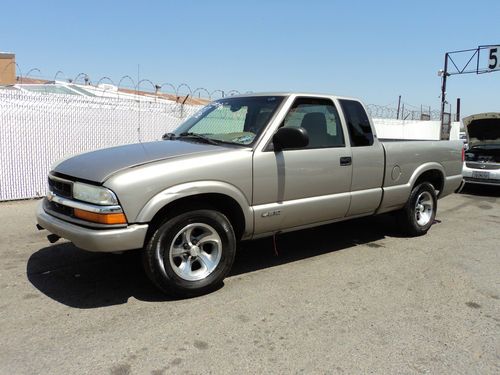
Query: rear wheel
(418, 214)
(190, 254)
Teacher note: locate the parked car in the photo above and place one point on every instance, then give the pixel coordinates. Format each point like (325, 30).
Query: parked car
(243, 167)
(482, 158)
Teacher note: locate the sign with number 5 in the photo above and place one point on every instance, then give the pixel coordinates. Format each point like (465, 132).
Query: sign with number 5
(494, 58)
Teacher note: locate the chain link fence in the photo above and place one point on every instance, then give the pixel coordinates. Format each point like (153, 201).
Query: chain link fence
(37, 129)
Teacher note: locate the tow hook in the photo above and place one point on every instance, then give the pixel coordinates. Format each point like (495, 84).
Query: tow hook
(53, 238)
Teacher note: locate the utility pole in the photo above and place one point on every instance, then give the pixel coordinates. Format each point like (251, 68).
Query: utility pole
(458, 110)
(399, 104)
(444, 132)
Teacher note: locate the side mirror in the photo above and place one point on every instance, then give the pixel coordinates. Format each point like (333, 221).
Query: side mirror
(286, 138)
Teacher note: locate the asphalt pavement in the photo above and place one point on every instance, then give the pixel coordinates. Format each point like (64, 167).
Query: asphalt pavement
(347, 298)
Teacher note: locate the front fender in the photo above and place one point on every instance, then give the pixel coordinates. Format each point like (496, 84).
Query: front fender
(176, 192)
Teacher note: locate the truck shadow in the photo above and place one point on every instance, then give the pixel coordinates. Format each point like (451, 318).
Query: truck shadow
(294, 246)
(85, 280)
(82, 279)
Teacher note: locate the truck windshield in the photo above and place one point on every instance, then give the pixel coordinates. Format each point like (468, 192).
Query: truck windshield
(237, 120)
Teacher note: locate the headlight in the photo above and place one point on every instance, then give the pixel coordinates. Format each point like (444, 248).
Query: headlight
(94, 194)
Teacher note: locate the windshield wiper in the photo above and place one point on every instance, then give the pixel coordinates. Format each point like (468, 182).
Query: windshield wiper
(204, 138)
(168, 136)
(200, 137)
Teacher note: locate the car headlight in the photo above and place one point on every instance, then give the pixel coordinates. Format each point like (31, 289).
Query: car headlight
(94, 194)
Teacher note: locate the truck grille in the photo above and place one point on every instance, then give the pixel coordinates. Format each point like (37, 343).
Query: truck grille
(60, 187)
(59, 208)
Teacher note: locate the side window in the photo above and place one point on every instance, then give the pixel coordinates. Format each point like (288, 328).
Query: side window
(321, 120)
(360, 131)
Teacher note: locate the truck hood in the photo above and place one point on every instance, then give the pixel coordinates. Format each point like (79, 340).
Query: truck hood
(483, 129)
(99, 165)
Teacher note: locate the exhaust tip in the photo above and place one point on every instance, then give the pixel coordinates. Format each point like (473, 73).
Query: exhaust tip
(53, 238)
(39, 227)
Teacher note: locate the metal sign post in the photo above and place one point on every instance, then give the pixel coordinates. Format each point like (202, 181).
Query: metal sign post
(489, 65)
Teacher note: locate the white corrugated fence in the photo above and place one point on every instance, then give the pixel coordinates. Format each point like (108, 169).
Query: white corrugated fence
(38, 129)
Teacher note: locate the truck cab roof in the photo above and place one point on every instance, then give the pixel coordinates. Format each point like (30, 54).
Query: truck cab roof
(292, 93)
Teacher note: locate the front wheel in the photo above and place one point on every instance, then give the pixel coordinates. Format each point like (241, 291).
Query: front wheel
(190, 254)
(417, 216)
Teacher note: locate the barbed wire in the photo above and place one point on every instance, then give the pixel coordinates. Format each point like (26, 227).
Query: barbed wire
(386, 112)
(405, 112)
(33, 70)
(180, 90)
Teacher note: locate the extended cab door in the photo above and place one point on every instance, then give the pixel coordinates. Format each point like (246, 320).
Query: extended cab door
(367, 159)
(297, 187)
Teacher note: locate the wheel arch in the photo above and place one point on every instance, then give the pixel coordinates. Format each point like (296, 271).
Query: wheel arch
(220, 196)
(396, 196)
(431, 172)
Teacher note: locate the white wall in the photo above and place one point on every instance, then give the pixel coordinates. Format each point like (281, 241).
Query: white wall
(412, 129)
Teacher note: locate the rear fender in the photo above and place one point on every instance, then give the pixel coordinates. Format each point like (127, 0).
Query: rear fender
(396, 196)
(424, 168)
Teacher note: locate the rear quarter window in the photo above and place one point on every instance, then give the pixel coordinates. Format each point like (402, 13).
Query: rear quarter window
(358, 124)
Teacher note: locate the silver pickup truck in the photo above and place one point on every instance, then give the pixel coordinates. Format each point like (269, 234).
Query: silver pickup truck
(243, 167)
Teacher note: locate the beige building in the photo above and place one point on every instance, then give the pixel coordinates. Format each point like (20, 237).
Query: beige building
(7, 68)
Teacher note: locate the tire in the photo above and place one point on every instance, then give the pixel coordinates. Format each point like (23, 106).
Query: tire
(418, 214)
(190, 254)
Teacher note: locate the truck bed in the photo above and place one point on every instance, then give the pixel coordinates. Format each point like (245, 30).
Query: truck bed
(405, 159)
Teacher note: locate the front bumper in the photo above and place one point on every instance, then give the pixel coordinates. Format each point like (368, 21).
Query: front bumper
(99, 240)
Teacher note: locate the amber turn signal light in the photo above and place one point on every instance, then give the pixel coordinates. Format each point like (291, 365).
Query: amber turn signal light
(112, 218)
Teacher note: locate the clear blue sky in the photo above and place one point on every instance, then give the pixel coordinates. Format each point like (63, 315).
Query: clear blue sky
(375, 50)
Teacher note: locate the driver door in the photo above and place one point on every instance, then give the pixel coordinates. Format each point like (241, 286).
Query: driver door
(299, 187)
